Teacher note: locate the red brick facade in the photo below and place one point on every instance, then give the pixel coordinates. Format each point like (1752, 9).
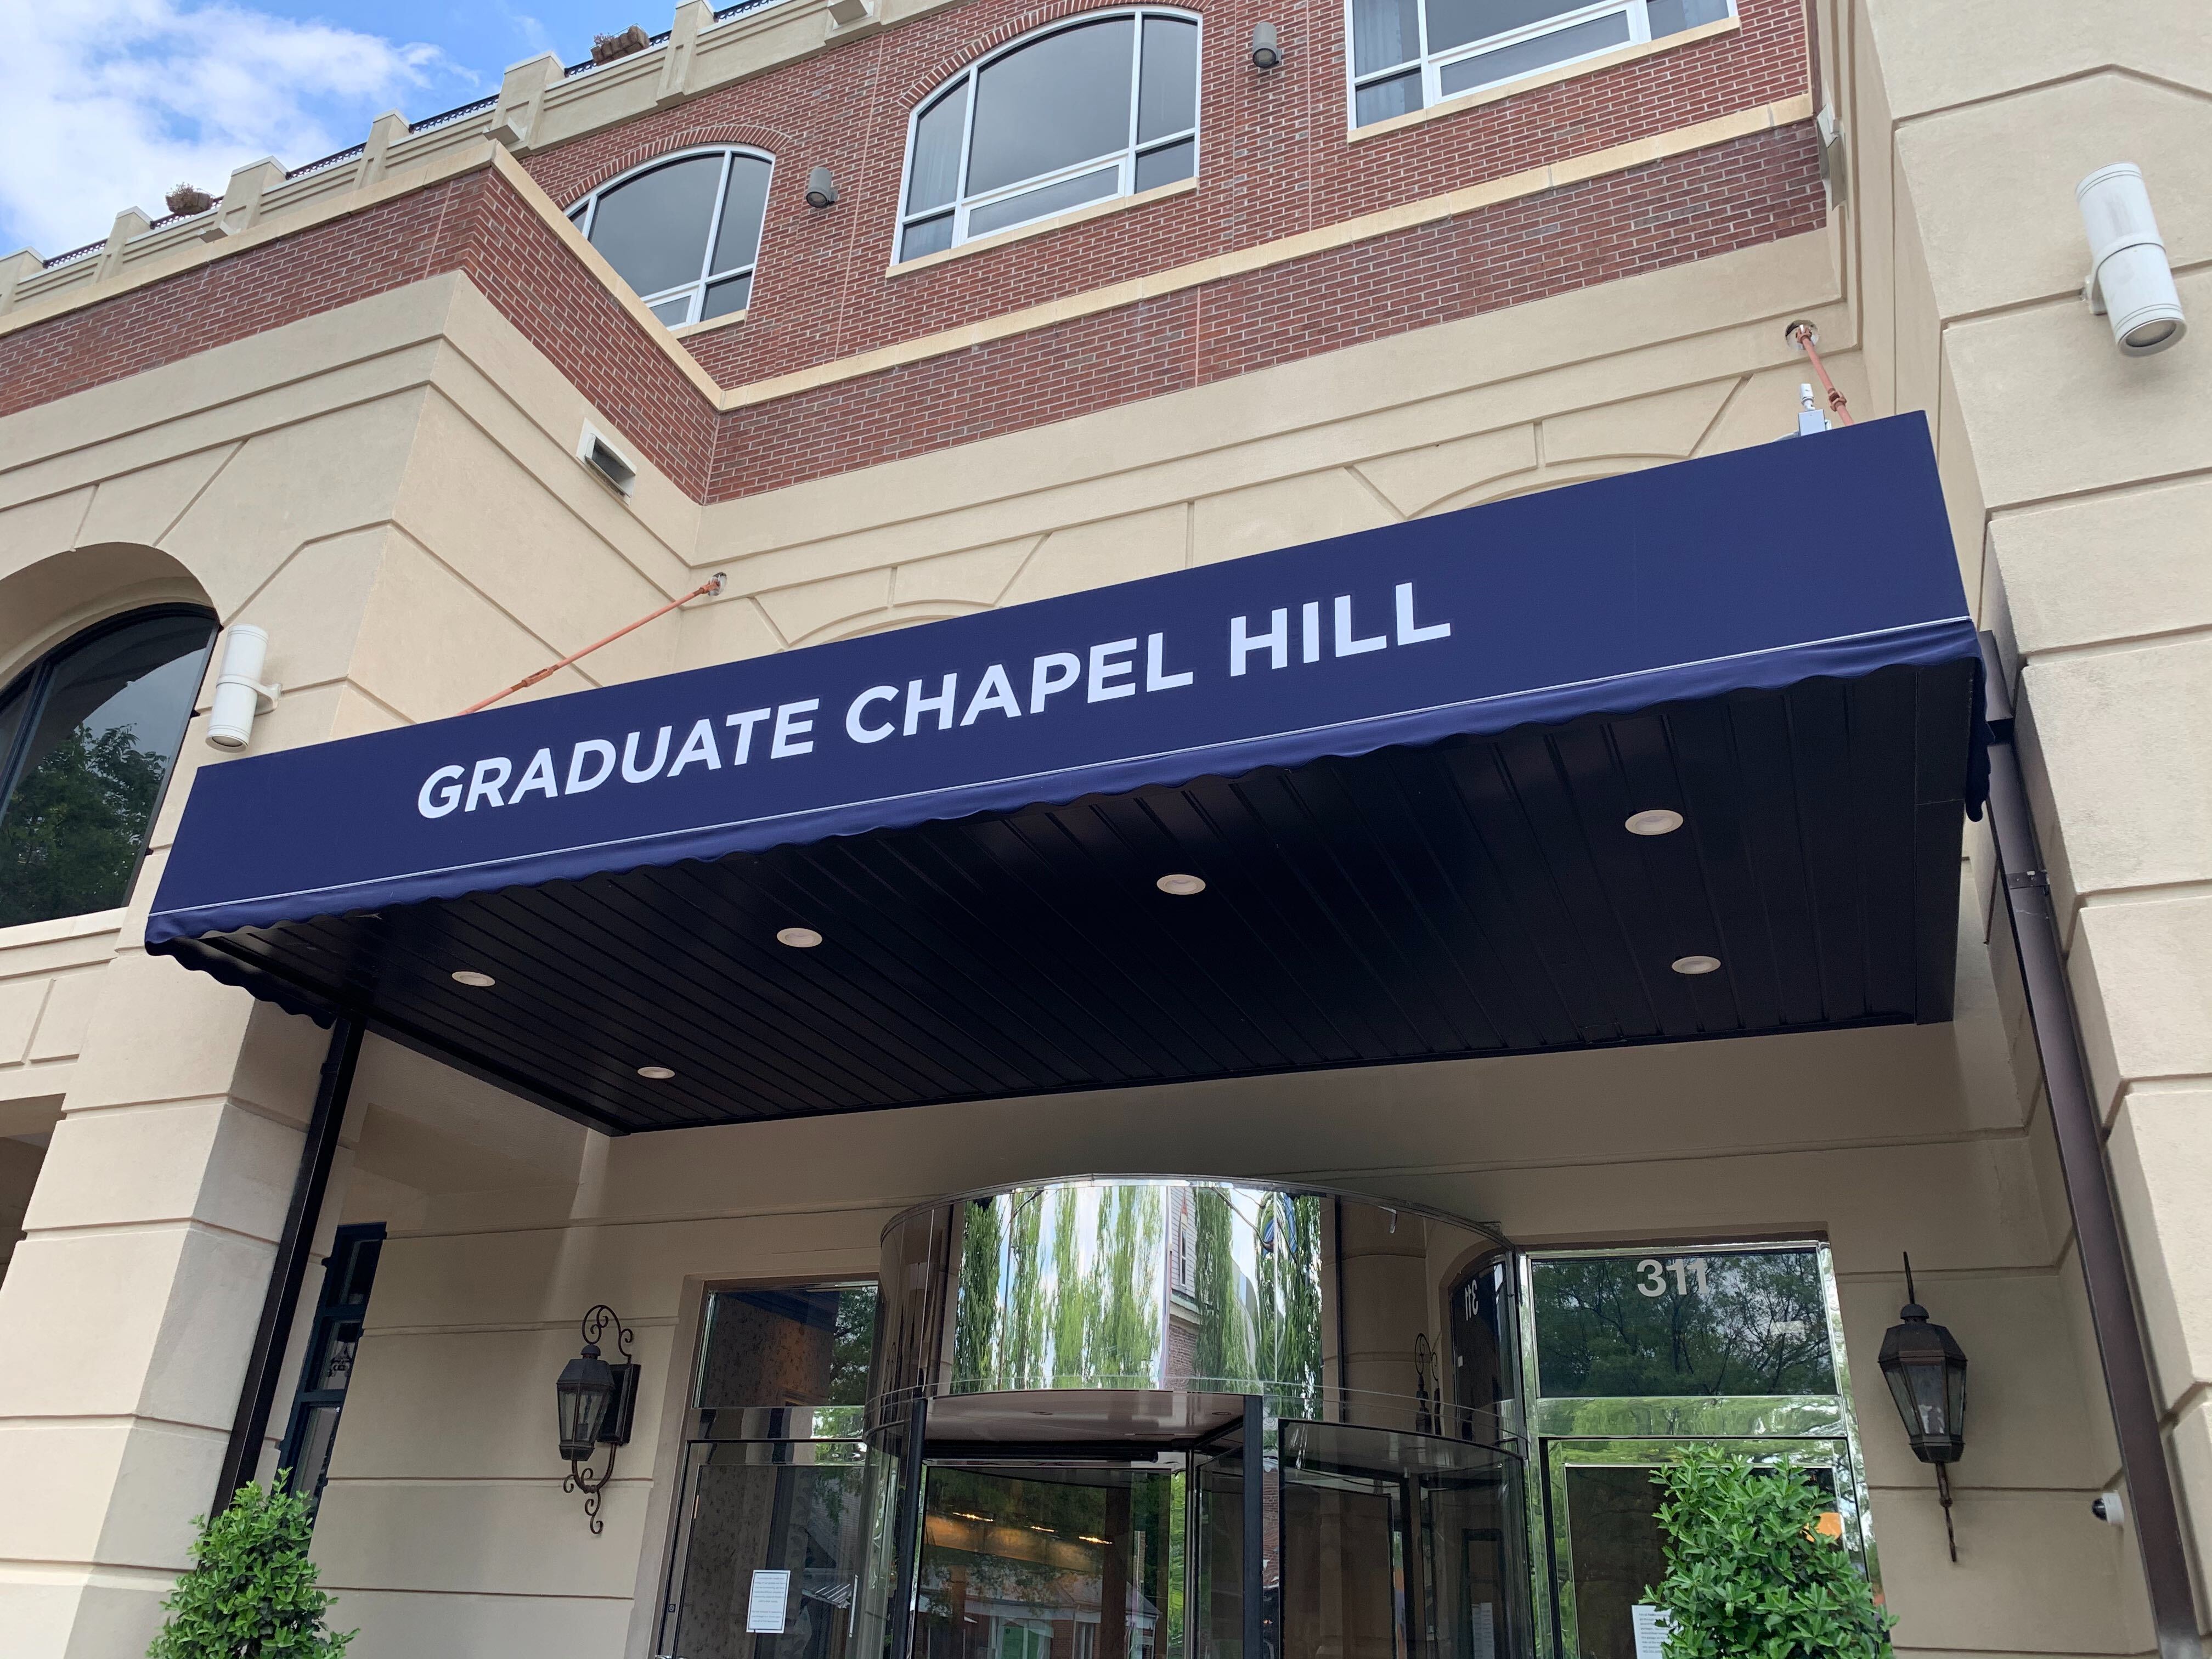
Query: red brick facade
(1668, 213)
(1274, 160)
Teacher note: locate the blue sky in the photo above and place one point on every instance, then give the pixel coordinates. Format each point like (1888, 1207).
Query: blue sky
(106, 104)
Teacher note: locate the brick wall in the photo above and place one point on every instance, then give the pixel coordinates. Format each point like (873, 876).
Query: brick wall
(331, 264)
(1287, 167)
(1274, 160)
(1668, 213)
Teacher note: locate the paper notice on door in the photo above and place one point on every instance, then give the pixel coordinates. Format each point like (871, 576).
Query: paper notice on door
(1650, 1625)
(772, 1589)
(1486, 1632)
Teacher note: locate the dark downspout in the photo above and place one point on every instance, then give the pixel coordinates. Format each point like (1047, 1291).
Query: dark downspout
(301, 1218)
(2080, 1129)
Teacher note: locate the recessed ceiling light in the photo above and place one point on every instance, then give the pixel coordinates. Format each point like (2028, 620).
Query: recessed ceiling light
(470, 976)
(798, 939)
(655, 1073)
(1694, 965)
(1654, 821)
(1181, 887)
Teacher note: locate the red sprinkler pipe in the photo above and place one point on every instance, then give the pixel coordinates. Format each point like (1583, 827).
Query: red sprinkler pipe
(1803, 335)
(712, 586)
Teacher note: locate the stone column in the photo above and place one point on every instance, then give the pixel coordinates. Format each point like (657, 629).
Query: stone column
(2080, 483)
(129, 1305)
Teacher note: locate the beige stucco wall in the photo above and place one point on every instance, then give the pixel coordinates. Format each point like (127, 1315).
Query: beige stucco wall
(391, 491)
(2089, 480)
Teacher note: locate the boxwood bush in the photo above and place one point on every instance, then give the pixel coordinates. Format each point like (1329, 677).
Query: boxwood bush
(1749, 1575)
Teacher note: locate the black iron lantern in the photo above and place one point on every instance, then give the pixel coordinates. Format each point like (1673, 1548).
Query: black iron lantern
(1926, 1370)
(595, 1402)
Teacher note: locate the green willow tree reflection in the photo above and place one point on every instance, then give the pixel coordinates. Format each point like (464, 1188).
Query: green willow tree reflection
(975, 1321)
(1224, 1355)
(1289, 1296)
(75, 825)
(1064, 1290)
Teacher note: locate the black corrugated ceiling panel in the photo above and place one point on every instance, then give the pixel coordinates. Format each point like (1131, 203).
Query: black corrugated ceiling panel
(1479, 896)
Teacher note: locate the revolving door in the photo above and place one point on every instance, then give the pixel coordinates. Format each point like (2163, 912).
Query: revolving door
(1160, 1418)
(1123, 1418)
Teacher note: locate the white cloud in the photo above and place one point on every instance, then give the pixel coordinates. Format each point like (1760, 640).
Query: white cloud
(110, 103)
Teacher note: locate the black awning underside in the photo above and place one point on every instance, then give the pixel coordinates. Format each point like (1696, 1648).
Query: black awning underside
(1476, 897)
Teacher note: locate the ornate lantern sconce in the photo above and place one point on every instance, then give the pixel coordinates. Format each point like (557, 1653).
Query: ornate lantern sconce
(1926, 1370)
(596, 1401)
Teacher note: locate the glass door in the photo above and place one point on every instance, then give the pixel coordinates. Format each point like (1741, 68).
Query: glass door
(1631, 1354)
(1399, 1545)
(1605, 1544)
(769, 1550)
(1062, 1558)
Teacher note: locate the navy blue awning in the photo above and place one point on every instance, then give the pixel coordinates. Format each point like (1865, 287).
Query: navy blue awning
(1400, 760)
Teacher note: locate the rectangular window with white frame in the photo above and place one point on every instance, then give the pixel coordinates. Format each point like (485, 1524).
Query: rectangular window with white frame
(1409, 54)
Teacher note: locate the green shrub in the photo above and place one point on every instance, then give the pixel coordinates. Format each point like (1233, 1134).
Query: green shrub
(1747, 1575)
(250, 1592)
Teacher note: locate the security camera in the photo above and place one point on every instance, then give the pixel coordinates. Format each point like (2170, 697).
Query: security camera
(2129, 280)
(2111, 1508)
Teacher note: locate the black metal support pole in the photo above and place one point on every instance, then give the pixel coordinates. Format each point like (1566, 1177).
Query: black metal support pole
(2080, 1129)
(267, 1360)
(906, 1559)
(1255, 1526)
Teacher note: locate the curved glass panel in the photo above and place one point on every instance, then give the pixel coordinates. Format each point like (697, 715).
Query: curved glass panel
(654, 229)
(1330, 1306)
(1064, 99)
(684, 234)
(1074, 113)
(1167, 84)
(933, 175)
(745, 199)
(88, 740)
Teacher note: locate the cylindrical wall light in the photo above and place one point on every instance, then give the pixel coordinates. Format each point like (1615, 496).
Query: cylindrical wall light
(1267, 46)
(2130, 279)
(239, 693)
(821, 188)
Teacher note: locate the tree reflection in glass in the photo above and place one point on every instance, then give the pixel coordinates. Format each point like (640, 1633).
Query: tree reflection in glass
(86, 740)
(1724, 1322)
(1062, 1288)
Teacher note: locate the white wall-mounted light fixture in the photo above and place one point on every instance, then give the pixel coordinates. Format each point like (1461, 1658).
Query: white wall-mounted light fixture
(593, 450)
(1267, 46)
(2129, 281)
(239, 693)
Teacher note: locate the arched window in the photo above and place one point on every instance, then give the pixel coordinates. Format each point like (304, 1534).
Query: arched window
(89, 735)
(684, 231)
(1408, 54)
(1082, 112)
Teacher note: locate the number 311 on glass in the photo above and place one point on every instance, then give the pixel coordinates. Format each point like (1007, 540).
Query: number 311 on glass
(1684, 1269)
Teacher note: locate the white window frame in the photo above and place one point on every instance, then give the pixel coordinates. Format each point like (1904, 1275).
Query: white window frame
(693, 293)
(1125, 159)
(1433, 65)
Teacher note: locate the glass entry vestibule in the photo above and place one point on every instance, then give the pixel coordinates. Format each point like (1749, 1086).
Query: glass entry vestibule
(1161, 1419)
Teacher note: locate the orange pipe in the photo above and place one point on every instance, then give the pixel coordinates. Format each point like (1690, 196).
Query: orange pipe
(714, 586)
(1801, 336)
